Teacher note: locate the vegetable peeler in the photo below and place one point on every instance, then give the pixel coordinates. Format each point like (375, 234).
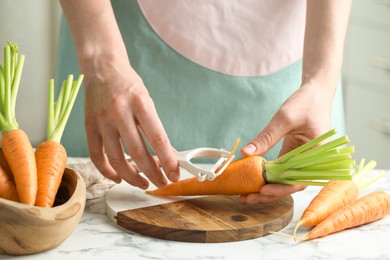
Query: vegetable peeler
(224, 158)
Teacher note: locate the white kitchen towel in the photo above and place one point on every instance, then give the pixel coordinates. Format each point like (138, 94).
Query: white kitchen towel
(95, 182)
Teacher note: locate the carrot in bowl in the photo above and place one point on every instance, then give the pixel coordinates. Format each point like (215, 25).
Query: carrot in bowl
(51, 155)
(309, 164)
(366, 209)
(7, 183)
(7, 186)
(16, 145)
(335, 195)
(4, 164)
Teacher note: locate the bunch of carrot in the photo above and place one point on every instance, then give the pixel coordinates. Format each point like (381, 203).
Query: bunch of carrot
(35, 176)
(336, 206)
(366, 209)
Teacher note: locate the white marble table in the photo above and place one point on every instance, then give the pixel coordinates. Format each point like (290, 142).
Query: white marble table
(96, 237)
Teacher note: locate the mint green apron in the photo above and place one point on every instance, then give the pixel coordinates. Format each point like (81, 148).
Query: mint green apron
(197, 106)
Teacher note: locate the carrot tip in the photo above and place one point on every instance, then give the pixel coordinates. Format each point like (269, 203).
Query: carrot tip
(296, 228)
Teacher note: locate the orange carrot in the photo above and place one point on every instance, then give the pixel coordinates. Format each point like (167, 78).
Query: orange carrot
(335, 195)
(332, 197)
(242, 176)
(366, 209)
(15, 143)
(7, 182)
(7, 186)
(51, 159)
(51, 155)
(20, 157)
(4, 164)
(304, 165)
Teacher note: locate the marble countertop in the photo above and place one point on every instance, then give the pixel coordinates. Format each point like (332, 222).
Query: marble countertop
(96, 237)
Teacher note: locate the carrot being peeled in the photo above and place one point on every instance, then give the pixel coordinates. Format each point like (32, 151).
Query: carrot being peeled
(335, 195)
(51, 155)
(308, 164)
(233, 181)
(16, 145)
(366, 209)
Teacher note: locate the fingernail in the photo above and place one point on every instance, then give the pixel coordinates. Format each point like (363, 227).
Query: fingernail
(173, 176)
(249, 148)
(144, 186)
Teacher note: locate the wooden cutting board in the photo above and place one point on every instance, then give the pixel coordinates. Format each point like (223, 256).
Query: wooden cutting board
(207, 219)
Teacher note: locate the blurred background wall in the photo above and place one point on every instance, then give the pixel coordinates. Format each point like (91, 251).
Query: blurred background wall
(366, 76)
(33, 25)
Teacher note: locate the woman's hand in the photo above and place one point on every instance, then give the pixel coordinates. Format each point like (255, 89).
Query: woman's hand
(308, 112)
(119, 111)
(118, 108)
(305, 115)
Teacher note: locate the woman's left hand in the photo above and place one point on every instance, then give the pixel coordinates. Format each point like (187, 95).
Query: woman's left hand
(304, 116)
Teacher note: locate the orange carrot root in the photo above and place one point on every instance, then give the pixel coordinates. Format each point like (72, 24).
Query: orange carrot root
(331, 197)
(241, 177)
(20, 156)
(366, 209)
(51, 162)
(7, 186)
(4, 164)
(7, 182)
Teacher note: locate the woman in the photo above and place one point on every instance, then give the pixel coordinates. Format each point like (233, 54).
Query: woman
(201, 73)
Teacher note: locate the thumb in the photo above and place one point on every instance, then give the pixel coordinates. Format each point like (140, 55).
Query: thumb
(264, 141)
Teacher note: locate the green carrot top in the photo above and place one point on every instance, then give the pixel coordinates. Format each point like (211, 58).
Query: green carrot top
(313, 164)
(59, 110)
(362, 170)
(10, 74)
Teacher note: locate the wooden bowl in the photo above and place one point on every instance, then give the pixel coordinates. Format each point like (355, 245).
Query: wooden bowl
(29, 229)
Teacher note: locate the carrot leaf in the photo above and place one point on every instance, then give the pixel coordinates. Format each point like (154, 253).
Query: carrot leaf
(361, 172)
(10, 75)
(313, 163)
(305, 147)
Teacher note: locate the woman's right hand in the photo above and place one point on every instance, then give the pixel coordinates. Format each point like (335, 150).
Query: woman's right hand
(118, 108)
(118, 112)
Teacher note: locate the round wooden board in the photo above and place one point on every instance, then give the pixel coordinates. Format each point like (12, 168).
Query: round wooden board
(208, 219)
